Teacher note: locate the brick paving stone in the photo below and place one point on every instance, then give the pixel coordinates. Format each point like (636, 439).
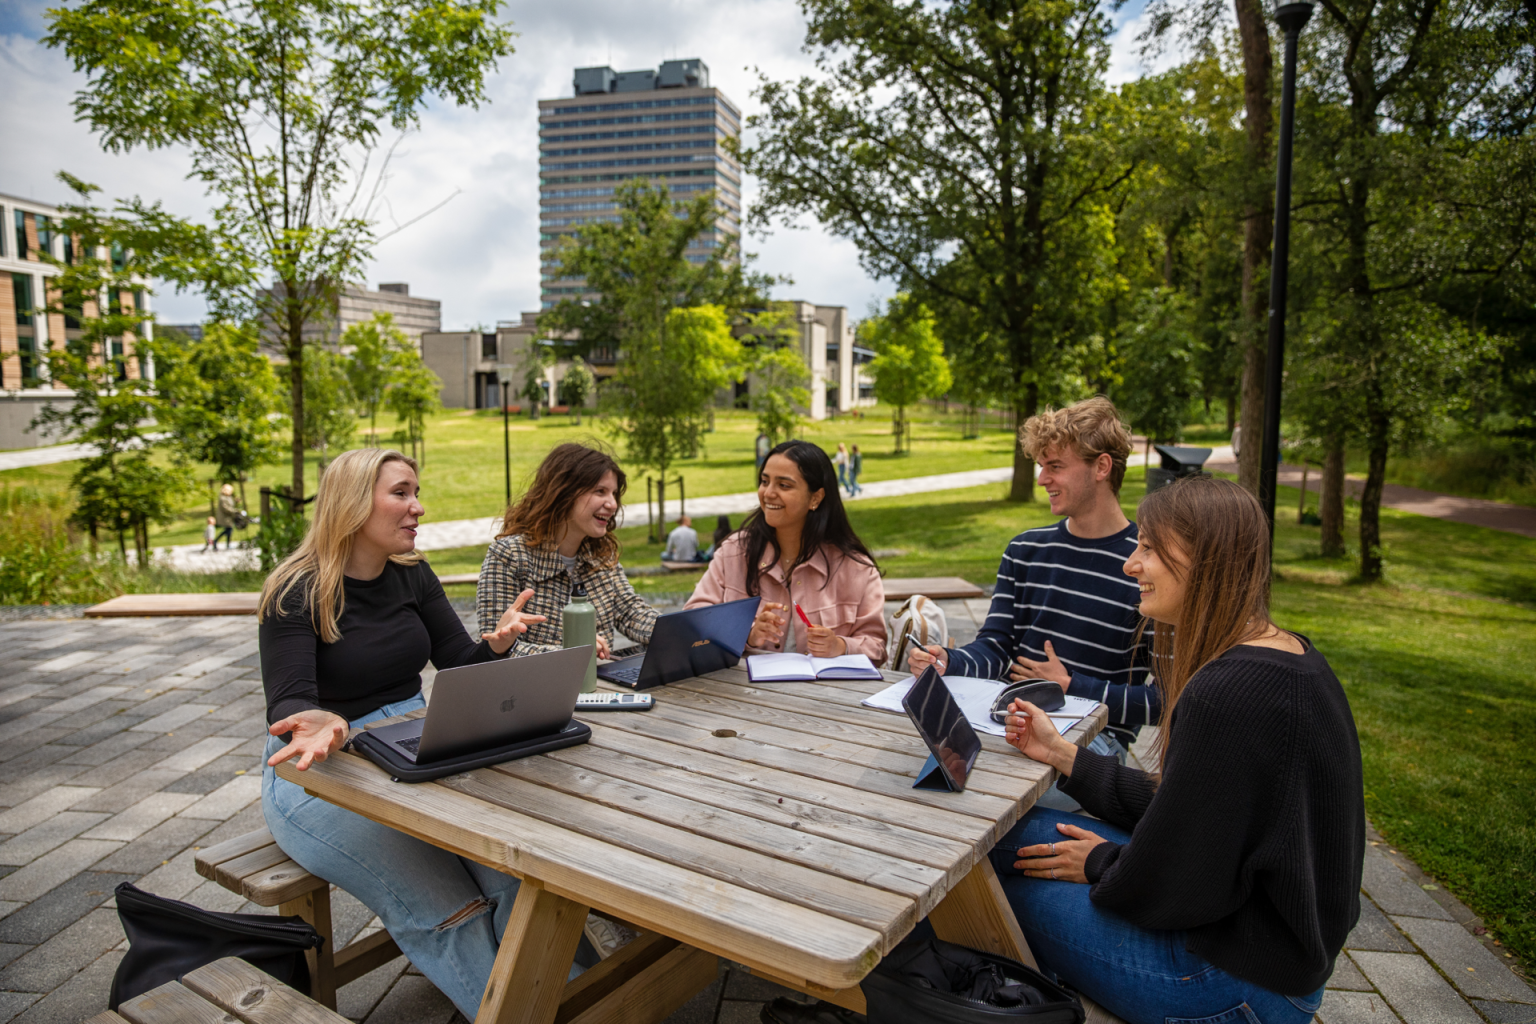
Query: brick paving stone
(12, 1003)
(254, 748)
(154, 847)
(246, 707)
(118, 769)
(43, 806)
(207, 681)
(138, 819)
(213, 896)
(202, 729)
(81, 701)
(1394, 892)
(230, 798)
(412, 1000)
(28, 883)
(82, 996)
(1506, 1013)
(357, 999)
(83, 723)
(61, 907)
(43, 779)
(1464, 960)
(193, 757)
(248, 820)
(233, 691)
(48, 835)
(173, 719)
(1347, 976)
(131, 790)
(54, 962)
(10, 951)
(68, 661)
(1412, 987)
(23, 708)
(173, 879)
(31, 761)
(9, 907)
(1354, 1008)
(33, 731)
(108, 748)
(12, 694)
(212, 775)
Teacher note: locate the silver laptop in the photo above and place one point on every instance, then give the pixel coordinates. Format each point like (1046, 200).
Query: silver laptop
(493, 704)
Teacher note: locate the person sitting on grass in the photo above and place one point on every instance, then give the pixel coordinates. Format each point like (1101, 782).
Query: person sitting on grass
(1062, 610)
(1221, 889)
(558, 536)
(347, 622)
(682, 542)
(798, 547)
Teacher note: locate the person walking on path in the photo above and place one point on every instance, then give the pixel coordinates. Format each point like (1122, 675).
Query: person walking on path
(840, 460)
(210, 535)
(224, 514)
(855, 467)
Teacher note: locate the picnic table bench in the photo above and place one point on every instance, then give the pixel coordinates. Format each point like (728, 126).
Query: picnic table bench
(775, 825)
(228, 990)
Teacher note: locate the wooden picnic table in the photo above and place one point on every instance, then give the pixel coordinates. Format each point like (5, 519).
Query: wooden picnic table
(773, 824)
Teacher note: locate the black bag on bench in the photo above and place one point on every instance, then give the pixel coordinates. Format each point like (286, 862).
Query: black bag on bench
(928, 981)
(169, 938)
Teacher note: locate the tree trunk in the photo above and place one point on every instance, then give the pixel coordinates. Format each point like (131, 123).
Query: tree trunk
(1023, 488)
(1379, 427)
(1231, 411)
(295, 346)
(661, 507)
(1331, 506)
(1258, 229)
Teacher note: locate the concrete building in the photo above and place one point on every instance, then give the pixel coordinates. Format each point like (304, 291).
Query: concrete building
(666, 125)
(467, 360)
(28, 229)
(355, 304)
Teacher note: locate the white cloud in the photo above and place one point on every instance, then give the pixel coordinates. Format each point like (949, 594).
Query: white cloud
(479, 252)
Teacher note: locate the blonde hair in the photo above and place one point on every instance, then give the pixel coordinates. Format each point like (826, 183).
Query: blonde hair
(1092, 427)
(343, 504)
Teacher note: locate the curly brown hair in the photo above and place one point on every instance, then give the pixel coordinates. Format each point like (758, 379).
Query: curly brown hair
(567, 472)
(1092, 427)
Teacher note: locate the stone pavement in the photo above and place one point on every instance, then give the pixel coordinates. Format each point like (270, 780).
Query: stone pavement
(127, 744)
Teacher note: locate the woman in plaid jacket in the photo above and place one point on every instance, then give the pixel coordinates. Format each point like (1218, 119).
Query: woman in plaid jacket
(557, 535)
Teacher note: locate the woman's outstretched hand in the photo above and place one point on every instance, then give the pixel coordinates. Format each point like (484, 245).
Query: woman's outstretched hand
(1036, 737)
(316, 736)
(514, 623)
(767, 626)
(1063, 860)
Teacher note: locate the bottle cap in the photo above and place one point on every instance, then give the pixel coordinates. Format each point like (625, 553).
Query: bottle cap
(578, 591)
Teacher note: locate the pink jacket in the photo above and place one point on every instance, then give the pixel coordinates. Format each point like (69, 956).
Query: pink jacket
(851, 604)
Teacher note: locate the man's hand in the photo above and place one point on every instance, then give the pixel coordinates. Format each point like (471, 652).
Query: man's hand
(1051, 668)
(514, 623)
(767, 627)
(919, 658)
(823, 643)
(316, 736)
(1063, 860)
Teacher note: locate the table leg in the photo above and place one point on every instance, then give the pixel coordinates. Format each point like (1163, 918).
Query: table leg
(975, 913)
(528, 978)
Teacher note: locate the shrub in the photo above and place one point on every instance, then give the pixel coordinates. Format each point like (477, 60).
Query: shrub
(43, 560)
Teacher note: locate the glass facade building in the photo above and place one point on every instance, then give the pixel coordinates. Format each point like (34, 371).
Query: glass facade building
(666, 125)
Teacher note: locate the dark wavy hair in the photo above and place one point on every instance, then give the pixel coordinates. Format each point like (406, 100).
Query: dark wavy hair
(567, 472)
(827, 524)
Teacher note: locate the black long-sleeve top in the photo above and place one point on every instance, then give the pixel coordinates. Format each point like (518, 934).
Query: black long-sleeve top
(390, 626)
(1254, 840)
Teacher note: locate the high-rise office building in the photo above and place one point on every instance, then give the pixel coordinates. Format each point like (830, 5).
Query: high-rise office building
(666, 125)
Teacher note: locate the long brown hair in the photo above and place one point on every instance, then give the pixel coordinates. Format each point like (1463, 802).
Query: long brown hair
(1214, 537)
(567, 472)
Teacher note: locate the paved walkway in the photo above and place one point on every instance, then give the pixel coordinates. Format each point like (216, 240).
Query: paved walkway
(127, 744)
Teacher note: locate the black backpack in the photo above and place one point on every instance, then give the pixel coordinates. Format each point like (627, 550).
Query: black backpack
(929, 981)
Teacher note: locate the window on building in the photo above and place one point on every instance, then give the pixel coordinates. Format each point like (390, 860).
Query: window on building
(26, 330)
(21, 290)
(487, 346)
(21, 234)
(119, 258)
(69, 249)
(44, 235)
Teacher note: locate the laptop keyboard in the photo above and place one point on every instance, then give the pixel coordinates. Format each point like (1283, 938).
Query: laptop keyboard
(626, 673)
(410, 744)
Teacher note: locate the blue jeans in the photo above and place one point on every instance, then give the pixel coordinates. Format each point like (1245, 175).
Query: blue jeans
(446, 913)
(1144, 976)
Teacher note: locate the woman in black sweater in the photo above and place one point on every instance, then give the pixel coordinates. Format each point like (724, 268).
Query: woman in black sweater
(347, 622)
(1223, 888)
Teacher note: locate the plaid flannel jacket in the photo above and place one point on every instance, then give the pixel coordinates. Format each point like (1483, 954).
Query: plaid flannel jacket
(511, 566)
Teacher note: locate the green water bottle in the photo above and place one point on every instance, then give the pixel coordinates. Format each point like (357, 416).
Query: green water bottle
(578, 626)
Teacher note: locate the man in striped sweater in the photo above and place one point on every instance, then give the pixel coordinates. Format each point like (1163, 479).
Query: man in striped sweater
(1063, 609)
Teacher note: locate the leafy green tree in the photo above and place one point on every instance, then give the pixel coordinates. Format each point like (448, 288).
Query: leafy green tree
(535, 371)
(971, 152)
(329, 416)
(657, 397)
(415, 393)
(281, 105)
(1159, 355)
(577, 386)
(376, 348)
(909, 363)
(221, 398)
(776, 370)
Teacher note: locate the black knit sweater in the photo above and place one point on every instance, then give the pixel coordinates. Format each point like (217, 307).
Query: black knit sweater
(1254, 840)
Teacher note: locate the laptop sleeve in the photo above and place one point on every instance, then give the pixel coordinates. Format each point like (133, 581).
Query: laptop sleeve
(401, 770)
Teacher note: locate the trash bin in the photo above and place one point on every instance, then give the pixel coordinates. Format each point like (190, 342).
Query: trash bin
(1177, 462)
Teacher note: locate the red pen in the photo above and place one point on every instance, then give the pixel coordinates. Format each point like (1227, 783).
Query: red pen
(800, 612)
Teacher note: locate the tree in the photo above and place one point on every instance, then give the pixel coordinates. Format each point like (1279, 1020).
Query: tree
(376, 347)
(970, 151)
(776, 370)
(121, 486)
(577, 386)
(909, 363)
(281, 104)
(220, 399)
(535, 373)
(658, 395)
(329, 416)
(1159, 356)
(415, 393)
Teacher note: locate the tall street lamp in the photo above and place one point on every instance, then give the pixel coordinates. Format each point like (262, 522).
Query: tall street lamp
(504, 374)
(1291, 18)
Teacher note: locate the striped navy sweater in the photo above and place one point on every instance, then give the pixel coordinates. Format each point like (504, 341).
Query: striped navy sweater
(1071, 591)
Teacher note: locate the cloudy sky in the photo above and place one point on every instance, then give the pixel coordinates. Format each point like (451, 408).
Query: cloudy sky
(479, 252)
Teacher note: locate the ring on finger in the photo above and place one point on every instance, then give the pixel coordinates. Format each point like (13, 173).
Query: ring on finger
(1053, 874)
(1053, 849)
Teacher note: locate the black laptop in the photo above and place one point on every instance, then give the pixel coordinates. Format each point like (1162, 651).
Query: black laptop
(686, 644)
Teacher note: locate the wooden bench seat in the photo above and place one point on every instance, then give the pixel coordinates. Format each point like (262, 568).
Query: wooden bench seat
(255, 867)
(225, 990)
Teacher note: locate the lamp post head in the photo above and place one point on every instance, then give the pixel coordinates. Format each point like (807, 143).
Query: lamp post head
(506, 373)
(1293, 17)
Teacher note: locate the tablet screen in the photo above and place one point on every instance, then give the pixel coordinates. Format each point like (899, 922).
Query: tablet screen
(942, 725)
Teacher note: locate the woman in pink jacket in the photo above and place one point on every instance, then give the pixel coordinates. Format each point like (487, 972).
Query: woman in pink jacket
(798, 547)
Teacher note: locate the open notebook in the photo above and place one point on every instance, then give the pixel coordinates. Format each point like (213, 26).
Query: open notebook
(797, 668)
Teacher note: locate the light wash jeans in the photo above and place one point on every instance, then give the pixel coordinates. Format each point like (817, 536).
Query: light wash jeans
(446, 913)
(1143, 976)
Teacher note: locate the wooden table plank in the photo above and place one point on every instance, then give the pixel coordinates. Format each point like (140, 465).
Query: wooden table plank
(857, 903)
(137, 605)
(657, 896)
(171, 1004)
(255, 998)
